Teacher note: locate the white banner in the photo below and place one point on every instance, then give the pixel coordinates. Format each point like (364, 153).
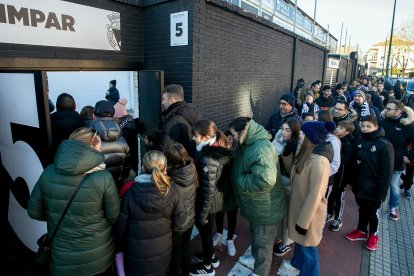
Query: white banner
(59, 23)
(333, 63)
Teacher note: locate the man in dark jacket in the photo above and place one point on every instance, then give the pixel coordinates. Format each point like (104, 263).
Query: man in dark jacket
(179, 118)
(326, 101)
(65, 120)
(399, 130)
(360, 105)
(374, 167)
(112, 95)
(114, 146)
(259, 189)
(286, 110)
(341, 112)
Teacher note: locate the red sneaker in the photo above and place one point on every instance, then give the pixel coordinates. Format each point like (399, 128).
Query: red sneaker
(372, 242)
(356, 235)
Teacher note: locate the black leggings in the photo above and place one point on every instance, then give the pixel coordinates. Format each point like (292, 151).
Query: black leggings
(231, 222)
(181, 253)
(206, 235)
(408, 177)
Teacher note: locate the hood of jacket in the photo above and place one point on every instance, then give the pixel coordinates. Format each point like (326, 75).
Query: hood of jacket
(254, 132)
(147, 196)
(75, 158)
(185, 176)
(107, 128)
(188, 111)
(216, 152)
(406, 118)
(325, 149)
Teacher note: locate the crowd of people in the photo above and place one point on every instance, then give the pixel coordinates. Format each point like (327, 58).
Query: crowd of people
(287, 179)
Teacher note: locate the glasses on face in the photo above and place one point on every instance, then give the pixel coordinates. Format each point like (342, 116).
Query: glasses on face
(389, 109)
(93, 137)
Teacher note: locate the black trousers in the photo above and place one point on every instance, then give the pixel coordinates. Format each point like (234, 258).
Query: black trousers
(231, 222)
(206, 235)
(368, 215)
(336, 200)
(181, 253)
(408, 177)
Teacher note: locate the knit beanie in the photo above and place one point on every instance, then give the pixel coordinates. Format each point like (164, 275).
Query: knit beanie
(113, 82)
(289, 98)
(360, 92)
(308, 93)
(120, 108)
(318, 131)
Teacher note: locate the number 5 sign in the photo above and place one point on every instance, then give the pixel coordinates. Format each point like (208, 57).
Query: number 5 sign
(179, 28)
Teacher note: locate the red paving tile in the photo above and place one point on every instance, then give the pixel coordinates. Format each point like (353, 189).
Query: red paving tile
(338, 256)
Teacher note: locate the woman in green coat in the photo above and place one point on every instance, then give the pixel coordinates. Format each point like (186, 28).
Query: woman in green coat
(84, 243)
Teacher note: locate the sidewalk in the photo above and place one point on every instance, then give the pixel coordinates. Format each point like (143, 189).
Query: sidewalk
(395, 253)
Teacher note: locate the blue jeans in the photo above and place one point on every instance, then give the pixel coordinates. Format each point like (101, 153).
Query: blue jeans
(306, 259)
(395, 190)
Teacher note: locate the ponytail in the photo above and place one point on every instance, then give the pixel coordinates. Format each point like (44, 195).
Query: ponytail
(161, 181)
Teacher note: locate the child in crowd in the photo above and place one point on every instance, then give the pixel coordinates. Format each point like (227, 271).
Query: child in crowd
(212, 159)
(150, 210)
(308, 117)
(182, 170)
(374, 168)
(336, 201)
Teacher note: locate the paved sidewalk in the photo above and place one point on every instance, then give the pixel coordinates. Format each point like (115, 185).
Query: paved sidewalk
(395, 252)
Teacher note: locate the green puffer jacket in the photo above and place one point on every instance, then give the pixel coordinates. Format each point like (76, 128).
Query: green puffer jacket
(84, 243)
(256, 177)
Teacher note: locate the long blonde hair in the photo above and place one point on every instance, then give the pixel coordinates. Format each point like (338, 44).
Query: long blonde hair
(155, 162)
(302, 157)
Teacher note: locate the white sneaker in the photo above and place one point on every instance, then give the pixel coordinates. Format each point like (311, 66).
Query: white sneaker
(217, 239)
(247, 260)
(286, 269)
(231, 249)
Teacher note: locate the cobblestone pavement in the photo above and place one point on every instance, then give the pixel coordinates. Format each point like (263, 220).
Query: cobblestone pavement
(395, 253)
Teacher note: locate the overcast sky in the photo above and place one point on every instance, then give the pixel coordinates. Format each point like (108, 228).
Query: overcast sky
(368, 21)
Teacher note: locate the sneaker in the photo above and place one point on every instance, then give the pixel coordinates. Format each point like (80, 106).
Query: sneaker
(280, 249)
(198, 257)
(407, 193)
(393, 214)
(247, 261)
(286, 269)
(200, 269)
(356, 235)
(336, 225)
(372, 242)
(231, 249)
(217, 239)
(329, 218)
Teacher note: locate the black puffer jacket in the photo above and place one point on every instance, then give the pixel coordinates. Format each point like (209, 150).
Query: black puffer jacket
(114, 147)
(213, 167)
(400, 133)
(144, 228)
(186, 181)
(374, 166)
(179, 120)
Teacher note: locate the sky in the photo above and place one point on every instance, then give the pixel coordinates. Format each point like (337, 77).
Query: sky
(368, 21)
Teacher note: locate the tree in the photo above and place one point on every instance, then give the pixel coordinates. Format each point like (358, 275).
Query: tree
(406, 44)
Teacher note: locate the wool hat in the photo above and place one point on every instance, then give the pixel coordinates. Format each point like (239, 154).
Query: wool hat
(318, 131)
(120, 108)
(289, 98)
(360, 92)
(113, 82)
(104, 109)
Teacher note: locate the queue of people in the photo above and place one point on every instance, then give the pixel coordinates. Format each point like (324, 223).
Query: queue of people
(288, 181)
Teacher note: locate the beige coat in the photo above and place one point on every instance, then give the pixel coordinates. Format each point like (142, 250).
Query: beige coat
(307, 206)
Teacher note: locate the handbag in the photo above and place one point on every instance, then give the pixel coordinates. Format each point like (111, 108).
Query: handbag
(43, 254)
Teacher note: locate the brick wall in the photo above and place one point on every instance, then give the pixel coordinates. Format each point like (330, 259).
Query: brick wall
(159, 55)
(241, 67)
(309, 62)
(132, 39)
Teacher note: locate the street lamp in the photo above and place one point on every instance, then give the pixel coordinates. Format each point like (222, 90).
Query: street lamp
(389, 49)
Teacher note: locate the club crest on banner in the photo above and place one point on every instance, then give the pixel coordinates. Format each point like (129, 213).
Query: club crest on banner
(114, 30)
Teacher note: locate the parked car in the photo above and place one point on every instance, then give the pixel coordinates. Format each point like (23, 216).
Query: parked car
(408, 94)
